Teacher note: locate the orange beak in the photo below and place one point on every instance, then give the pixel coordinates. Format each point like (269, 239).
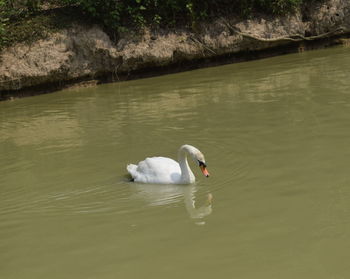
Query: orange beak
(204, 170)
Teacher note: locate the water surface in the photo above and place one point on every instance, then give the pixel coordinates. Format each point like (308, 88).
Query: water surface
(275, 133)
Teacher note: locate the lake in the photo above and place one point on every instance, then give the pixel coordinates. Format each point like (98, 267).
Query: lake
(276, 137)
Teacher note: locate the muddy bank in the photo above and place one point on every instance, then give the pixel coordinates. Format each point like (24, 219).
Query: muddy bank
(86, 54)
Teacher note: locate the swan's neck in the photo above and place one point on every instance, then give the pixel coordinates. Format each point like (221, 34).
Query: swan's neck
(187, 175)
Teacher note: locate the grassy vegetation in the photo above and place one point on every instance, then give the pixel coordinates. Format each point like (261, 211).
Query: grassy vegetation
(114, 13)
(26, 20)
(30, 20)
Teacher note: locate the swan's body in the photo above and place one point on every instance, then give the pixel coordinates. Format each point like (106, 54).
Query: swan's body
(163, 170)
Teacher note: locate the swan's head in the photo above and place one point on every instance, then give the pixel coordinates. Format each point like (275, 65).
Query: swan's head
(197, 156)
(203, 168)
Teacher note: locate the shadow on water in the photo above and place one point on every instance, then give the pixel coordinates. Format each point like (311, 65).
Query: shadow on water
(160, 195)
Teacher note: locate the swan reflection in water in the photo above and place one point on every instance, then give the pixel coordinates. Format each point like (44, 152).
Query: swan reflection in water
(157, 195)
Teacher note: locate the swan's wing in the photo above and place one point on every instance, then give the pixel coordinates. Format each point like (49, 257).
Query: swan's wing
(156, 170)
(159, 164)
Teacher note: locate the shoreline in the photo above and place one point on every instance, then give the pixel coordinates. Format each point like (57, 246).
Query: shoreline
(47, 88)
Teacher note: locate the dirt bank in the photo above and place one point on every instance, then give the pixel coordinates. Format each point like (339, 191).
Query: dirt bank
(85, 53)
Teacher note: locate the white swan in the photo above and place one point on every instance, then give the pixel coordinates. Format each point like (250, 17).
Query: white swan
(163, 170)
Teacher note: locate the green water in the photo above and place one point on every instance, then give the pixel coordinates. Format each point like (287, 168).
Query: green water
(276, 137)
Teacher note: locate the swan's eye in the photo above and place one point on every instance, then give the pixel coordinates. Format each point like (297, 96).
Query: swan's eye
(202, 164)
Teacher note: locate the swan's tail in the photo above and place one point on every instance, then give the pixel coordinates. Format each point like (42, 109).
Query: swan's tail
(131, 168)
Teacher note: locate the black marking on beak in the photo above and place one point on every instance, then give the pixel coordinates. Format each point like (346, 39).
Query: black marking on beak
(202, 164)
